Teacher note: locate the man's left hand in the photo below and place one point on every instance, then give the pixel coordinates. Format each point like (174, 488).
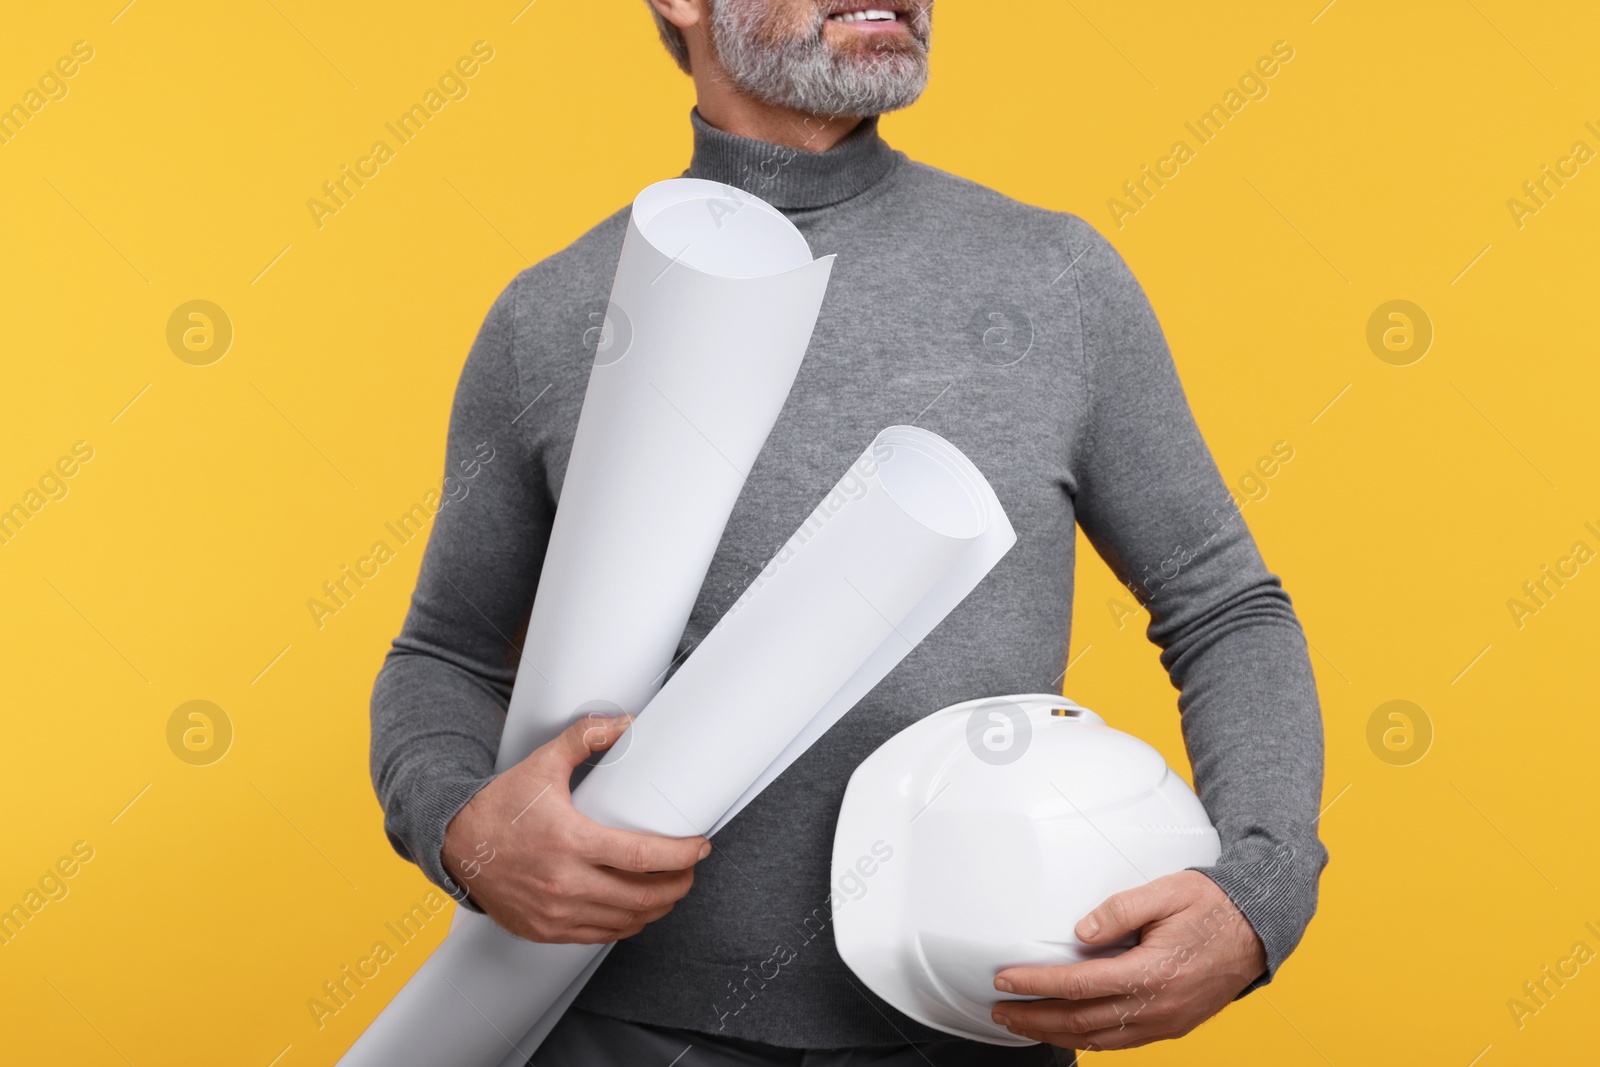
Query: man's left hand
(1196, 952)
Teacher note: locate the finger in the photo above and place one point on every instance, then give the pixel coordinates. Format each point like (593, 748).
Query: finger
(558, 923)
(640, 894)
(629, 851)
(1078, 981)
(1100, 1040)
(1126, 912)
(583, 738)
(611, 917)
(582, 935)
(1067, 1016)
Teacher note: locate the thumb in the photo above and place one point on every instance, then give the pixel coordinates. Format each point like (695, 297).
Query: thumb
(588, 735)
(1124, 913)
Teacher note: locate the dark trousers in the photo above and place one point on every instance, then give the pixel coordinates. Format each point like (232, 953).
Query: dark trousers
(584, 1039)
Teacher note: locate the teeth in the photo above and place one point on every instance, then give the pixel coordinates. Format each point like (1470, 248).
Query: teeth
(871, 14)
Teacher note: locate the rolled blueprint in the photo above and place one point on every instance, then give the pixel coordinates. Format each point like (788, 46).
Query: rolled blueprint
(905, 534)
(901, 540)
(962, 577)
(711, 310)
(713, 304)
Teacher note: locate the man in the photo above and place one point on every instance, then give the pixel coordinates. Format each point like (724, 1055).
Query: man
(1018, 334)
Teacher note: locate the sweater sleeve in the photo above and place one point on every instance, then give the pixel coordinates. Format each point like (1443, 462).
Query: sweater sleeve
(1151, 501)
(438, 705)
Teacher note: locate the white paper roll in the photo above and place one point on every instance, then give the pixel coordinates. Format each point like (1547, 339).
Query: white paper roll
(712, 308)
(852, 592)
(951, 589)
(902, 538)
(713, 304)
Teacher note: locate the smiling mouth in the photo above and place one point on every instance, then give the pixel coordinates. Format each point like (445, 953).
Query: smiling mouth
(867, 18)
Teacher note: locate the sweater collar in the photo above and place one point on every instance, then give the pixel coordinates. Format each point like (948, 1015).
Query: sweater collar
(791, 178)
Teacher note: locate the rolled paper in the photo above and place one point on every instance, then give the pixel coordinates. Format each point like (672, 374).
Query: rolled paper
(951, 589)
(712, 307)
(856, 588)
(850, 592)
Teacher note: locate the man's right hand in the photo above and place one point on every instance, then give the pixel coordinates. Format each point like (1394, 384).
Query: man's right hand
(547, 873)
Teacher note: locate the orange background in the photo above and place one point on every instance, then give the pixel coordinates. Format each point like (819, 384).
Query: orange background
(219, 497)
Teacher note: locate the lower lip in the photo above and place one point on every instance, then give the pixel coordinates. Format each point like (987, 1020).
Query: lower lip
(879, 26)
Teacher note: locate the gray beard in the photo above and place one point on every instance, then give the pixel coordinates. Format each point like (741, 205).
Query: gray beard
(804, 74)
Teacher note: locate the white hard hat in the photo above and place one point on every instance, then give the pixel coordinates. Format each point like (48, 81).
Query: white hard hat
(975, 839)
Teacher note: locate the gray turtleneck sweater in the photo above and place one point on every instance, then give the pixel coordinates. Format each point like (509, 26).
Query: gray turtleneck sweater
(1018, 334)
